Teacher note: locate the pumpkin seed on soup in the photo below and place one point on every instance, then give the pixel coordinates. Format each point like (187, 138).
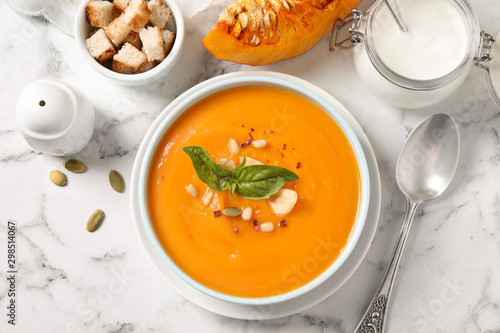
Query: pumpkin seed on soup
(116, 181)
(232, 211)
(75, 166)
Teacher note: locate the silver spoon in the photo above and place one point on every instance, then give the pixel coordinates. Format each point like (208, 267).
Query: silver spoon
(424, 170)
(393, 7)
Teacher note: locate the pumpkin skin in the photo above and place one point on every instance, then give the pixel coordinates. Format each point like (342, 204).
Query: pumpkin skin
(261, 32)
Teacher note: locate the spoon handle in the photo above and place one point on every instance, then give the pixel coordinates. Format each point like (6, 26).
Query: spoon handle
(394, 9)
(373, 320)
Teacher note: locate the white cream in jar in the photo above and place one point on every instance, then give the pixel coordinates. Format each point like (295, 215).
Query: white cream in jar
(425, 65)
(434, 45)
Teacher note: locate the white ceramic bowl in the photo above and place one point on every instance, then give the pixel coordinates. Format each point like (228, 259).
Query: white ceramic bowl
(147, 149)
(175, 24)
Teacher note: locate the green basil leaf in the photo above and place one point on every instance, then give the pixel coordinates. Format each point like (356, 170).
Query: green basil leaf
(229, 183)
(242, 164)
(250, 182)
(261, 181)
(209, 172)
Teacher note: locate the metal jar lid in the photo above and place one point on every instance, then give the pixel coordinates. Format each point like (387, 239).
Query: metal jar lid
(488, 58)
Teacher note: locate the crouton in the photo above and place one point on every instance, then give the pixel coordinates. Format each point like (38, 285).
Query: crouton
(152, 43)
(136, 15)
(99, 13)
(118, 30)
(100, 46)
(120, 5)
(160, 13)
(134, 39)
(121, 68)
(168, 40)
(147, 66)
(130, 57)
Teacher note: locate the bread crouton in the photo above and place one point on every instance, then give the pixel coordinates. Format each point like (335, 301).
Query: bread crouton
(118, 30)
(121, 68)
(99, 13)
(136, 15)
(100, 47)
(134, 39)
(168, 40)
(160, 13)
(120, 5)
(152, 43)
(147, 66)
(130, 57)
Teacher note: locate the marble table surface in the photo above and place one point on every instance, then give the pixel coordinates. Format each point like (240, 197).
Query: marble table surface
(69, 280)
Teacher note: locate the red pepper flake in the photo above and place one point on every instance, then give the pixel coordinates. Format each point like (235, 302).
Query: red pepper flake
(251, 129)
(284, 146)
(282, 154)
(235, 230)
(249, 141)
(256, 227)
(272, 132)
(297, 166)
(282, 223)
(217, 213)
(267, 160)
(255, 222)
(162, 177)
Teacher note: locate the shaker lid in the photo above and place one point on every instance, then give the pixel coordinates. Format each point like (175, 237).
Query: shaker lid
(46, 108)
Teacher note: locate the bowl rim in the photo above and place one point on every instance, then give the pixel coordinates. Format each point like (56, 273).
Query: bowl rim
(207, 88)
(135, 79)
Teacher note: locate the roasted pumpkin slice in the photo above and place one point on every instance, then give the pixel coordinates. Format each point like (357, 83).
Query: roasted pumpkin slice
(261, 32)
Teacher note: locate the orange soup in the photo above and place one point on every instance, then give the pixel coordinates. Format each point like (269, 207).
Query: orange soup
(229, 254)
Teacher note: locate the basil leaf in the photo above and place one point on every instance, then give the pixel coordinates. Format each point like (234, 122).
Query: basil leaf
(242, 164)
(209, 172)
(261, 181)
(249, 181)
(229, 183)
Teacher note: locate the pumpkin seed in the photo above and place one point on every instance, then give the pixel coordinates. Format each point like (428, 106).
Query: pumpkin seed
(116, 181)
(95, 220)
(58, 178)
(232, 211)
(75, 166)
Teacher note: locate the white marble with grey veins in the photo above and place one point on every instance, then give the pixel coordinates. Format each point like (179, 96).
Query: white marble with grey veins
(69, 280)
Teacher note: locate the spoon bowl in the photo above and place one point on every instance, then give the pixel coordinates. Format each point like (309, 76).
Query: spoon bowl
(424, 169)
(428, 160)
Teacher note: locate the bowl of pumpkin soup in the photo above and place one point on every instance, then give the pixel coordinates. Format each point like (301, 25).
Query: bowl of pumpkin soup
(251, 188)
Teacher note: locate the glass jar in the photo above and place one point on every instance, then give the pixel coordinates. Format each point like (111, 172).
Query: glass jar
(391, 86)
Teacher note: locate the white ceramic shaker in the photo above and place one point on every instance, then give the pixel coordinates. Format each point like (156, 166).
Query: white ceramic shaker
(55, 118)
